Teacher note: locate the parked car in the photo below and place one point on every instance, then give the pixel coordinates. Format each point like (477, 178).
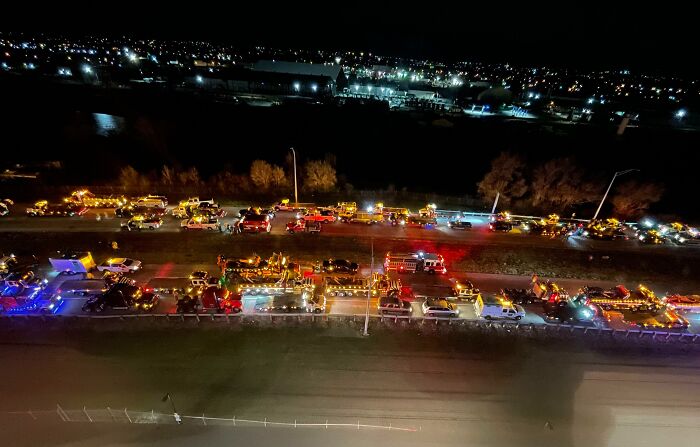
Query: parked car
(140, 222)
(394, 305)
(439, 307)
(255, 223)
(301, 225)
(459, 225)
(119, 265)
(500, 225)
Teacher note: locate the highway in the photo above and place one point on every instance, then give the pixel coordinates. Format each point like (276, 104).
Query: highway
(104, 221)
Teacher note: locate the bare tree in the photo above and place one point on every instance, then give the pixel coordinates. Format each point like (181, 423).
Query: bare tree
(224, 182)
(130, 178)
(320, 176)
(167, 176)
(261, 174)
(279, 177)
(633, 198)
(190, 177)
(559, 184)
(505, 177)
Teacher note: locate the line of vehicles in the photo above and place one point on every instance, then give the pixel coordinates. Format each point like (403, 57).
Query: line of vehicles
(278, 284)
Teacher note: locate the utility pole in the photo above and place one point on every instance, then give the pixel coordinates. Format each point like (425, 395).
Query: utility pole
(495, 202)
(617, 174)
(369, 291)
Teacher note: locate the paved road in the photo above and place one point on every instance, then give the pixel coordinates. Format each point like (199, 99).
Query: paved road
(455, 391)
(103, 220)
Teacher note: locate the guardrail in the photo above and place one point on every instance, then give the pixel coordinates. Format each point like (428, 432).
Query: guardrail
(436, 324)
(126, 416)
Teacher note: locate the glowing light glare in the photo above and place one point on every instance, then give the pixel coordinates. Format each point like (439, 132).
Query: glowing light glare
(87, 69)
(337, 60)
(370, 208)
(648, 223)
(297, 86)
(681, 113)
(199, 79)
(314, 87)
(591, 100)
(133, 57)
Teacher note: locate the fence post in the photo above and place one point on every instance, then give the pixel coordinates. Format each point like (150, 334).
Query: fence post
(204, 420)
(295, 423)
(87, 414)
(265, 422)
(110, 413)
(326, 423)
(31, 414)
(62, 413)
(358, 424)
(127, 416)
(234, 420)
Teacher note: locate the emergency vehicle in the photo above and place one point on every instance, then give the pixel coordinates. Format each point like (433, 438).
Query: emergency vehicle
(464, 289)
(620, 298)
(497, 308)
(683, 303)
(86, 198)
(352, 286)
(414, 262)
(274, 285)
(547, 290)
(364, 218)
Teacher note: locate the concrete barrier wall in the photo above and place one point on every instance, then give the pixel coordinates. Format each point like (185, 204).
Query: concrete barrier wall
(425, 325)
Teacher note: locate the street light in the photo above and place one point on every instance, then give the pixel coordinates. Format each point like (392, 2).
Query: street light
(296, 196)
(617, 174)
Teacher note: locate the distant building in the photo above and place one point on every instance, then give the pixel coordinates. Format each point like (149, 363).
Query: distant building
(306, 78)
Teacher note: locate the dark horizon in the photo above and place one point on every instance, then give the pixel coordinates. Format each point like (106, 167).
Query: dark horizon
(609, 38)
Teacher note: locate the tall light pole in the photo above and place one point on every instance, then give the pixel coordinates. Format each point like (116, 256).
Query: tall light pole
(369, 291)
(617, 174)
(296, 195)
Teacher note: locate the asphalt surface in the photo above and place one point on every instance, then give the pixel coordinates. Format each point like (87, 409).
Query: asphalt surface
(456, 391)
(104, 220)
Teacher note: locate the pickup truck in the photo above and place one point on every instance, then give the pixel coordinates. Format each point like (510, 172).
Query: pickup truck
(320, 216)
(301, 225)
(201, 223)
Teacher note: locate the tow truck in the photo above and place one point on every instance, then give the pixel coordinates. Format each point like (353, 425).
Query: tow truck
(201, 223)
(176, 285)
(415, 262)
(43, 208)
(19, 291)
(122, 295)
(345, 209)
(547, 290)
(430, 211)
(683, 303)
(286, 205)
(608, 229)
(620, 298)
(304, 302)
(221, 300)
(273, 285)
(564, 309)
(342, 286)
(464, 289)
(86, 198)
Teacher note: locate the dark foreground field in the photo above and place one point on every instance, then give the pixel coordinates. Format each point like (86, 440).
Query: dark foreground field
(457, 389)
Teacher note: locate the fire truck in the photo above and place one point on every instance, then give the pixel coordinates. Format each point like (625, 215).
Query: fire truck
(342, 286)
(346, 209)
(414, 262)
(620, 298)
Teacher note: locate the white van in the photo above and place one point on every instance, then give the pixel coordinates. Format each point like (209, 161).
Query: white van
(497, 308)
(152, 202)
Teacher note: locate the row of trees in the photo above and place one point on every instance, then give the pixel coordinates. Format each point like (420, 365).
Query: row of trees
(559, 185)
(263, 177)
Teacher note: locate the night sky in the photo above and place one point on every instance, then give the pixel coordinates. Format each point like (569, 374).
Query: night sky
(580, 35)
